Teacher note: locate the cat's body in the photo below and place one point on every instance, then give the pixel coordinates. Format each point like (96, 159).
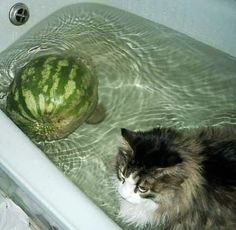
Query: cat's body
(177, 179)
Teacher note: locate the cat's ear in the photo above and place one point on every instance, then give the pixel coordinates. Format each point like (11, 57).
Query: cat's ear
(127, 140)
(128, 135)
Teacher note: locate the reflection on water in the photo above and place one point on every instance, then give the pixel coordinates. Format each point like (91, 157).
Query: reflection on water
(149, 76)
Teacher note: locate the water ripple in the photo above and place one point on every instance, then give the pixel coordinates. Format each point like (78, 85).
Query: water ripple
(149, 76)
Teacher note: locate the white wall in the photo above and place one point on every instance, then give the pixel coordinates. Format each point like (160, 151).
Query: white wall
(210, 21)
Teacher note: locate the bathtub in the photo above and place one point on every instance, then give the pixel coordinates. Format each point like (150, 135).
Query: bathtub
(30, 185)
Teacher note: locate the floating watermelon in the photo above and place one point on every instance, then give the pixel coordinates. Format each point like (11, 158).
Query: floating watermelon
(52, 96)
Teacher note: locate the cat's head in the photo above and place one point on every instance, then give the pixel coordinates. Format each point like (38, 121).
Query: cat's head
(148, 164)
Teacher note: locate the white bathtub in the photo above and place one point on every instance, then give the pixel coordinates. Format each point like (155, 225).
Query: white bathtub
(212, 22)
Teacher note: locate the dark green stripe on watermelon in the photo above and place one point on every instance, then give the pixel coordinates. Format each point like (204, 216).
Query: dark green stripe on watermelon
(56, 94)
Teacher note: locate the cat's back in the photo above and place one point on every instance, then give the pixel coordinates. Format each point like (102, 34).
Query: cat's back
(218, 168)
(218, 148)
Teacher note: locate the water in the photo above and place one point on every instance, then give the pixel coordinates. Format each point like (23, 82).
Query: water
(149, 76)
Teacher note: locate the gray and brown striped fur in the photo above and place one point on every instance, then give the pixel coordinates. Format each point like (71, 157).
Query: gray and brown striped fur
(189, 176)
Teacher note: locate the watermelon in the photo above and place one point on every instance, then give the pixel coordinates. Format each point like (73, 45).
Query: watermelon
(53, 95)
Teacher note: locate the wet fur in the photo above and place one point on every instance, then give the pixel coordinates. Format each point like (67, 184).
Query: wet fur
(191, 176)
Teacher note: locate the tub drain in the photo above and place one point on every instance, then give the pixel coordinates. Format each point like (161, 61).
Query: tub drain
(19, 14)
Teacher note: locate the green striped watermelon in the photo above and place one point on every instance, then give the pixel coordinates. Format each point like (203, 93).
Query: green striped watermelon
(52, 96)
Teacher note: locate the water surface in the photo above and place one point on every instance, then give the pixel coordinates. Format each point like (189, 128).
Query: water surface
(149, 76)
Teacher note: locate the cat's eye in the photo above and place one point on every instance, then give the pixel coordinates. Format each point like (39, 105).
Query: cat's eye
(142, 189)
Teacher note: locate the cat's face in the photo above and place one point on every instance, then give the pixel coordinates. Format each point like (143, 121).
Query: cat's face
(146, 165)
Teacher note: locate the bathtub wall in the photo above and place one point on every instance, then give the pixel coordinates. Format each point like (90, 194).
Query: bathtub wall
(40, 189)
(212, 22)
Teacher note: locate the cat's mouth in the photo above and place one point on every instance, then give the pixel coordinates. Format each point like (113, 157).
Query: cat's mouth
(131, 200)
(122, 198)
(128, 201)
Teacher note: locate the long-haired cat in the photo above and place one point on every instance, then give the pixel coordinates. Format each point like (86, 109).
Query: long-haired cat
(178, 179)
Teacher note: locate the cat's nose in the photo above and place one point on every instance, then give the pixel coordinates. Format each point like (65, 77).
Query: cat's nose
(125, 190)
(129, 195)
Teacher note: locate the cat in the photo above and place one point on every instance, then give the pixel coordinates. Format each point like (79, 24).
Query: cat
(179, 180)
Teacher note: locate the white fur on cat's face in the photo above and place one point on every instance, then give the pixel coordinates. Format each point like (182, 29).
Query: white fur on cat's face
(127, 191)
(134, 208)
